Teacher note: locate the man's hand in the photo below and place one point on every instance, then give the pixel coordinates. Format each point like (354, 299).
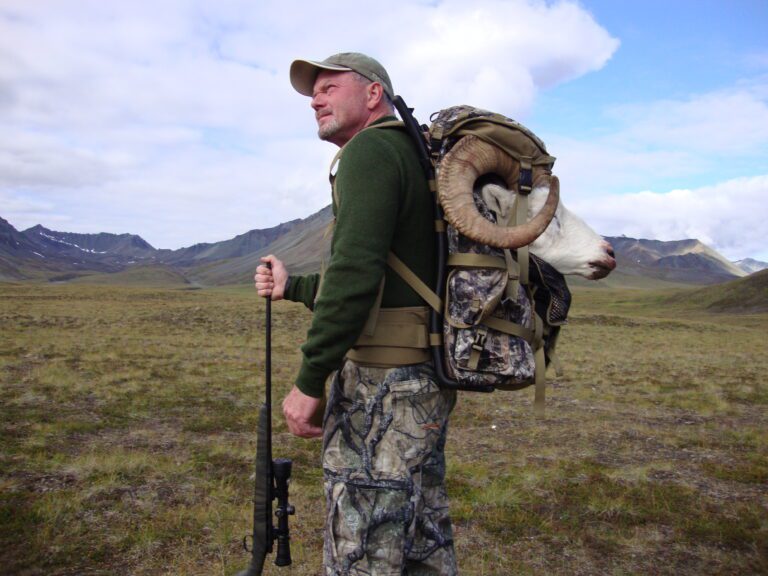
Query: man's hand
(303, 414)
(271, 282)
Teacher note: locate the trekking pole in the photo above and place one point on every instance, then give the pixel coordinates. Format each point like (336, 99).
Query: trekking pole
(271, 480)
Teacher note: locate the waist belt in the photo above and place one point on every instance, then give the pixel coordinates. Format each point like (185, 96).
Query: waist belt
(401, 337)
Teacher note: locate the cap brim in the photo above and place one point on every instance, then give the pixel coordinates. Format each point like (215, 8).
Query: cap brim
(304, 73)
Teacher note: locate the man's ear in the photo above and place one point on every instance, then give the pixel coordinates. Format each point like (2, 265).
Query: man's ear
(375, 95)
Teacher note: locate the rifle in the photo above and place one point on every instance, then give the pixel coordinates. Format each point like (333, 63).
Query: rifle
(271, 482)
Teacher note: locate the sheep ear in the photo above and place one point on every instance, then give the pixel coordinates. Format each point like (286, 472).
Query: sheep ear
(499, 201)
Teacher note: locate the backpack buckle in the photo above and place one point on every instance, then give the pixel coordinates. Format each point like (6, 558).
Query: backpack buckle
(477, 347)
(480, 338)
(525, 180)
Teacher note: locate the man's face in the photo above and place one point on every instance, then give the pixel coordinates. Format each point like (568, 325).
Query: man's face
(341, 108)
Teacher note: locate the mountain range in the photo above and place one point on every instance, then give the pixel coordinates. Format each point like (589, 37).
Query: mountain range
(42, 254)
(750, 265)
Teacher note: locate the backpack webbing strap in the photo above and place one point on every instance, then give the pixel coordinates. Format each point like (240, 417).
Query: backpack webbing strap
(414, 281)
(399, 327)
(511, 328)
(552, 332)
(388, 357)
(539, 394)
(540, 366)
(389, 124)
(337, 157)
(418, 285)
(373, 315)
(523, 256)
(521, 215)
(477, 347)
(329, 230)
(513, 275)
(401, 337)
(469, 260)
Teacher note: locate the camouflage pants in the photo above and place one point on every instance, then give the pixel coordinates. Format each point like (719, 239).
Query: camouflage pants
(384, 467)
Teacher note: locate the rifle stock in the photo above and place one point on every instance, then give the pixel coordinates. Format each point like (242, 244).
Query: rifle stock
(271, 482)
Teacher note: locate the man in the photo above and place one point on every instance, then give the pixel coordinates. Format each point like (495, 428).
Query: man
(385, 423)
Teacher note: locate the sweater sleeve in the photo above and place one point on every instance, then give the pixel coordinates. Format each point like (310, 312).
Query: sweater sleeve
(303, 289)
(368, 185)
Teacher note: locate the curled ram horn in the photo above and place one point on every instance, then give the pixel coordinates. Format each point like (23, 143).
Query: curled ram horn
(471, 158)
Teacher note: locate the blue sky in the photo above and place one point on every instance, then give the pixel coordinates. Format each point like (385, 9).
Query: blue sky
(175, 120)
(669, 51)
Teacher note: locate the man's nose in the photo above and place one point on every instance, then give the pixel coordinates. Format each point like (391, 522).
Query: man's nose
(317, 102)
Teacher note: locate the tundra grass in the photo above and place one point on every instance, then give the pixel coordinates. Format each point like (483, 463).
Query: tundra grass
(128, 416)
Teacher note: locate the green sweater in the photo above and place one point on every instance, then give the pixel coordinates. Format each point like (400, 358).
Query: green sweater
(384, 204)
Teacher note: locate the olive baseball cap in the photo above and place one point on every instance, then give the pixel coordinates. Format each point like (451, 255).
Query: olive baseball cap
(304, 72)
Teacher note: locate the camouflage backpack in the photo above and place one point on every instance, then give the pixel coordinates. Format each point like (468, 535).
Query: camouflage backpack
(501, 306)
(496, 309)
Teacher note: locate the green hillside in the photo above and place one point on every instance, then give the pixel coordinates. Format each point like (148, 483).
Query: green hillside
(302, 249)
(622, 279)
(153, 276)
(743, 296)
(128, 421)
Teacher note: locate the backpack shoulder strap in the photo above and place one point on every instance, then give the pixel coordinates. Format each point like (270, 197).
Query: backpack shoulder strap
(337, 157)
(388, 124)
(414, 281)
(370, 324)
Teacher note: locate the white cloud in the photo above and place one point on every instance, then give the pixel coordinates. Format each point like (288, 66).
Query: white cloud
(598, 166)
(176, 120)
(729, 122)
(704, 138)
(497, 55)
(200, 195)
(729, 216)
